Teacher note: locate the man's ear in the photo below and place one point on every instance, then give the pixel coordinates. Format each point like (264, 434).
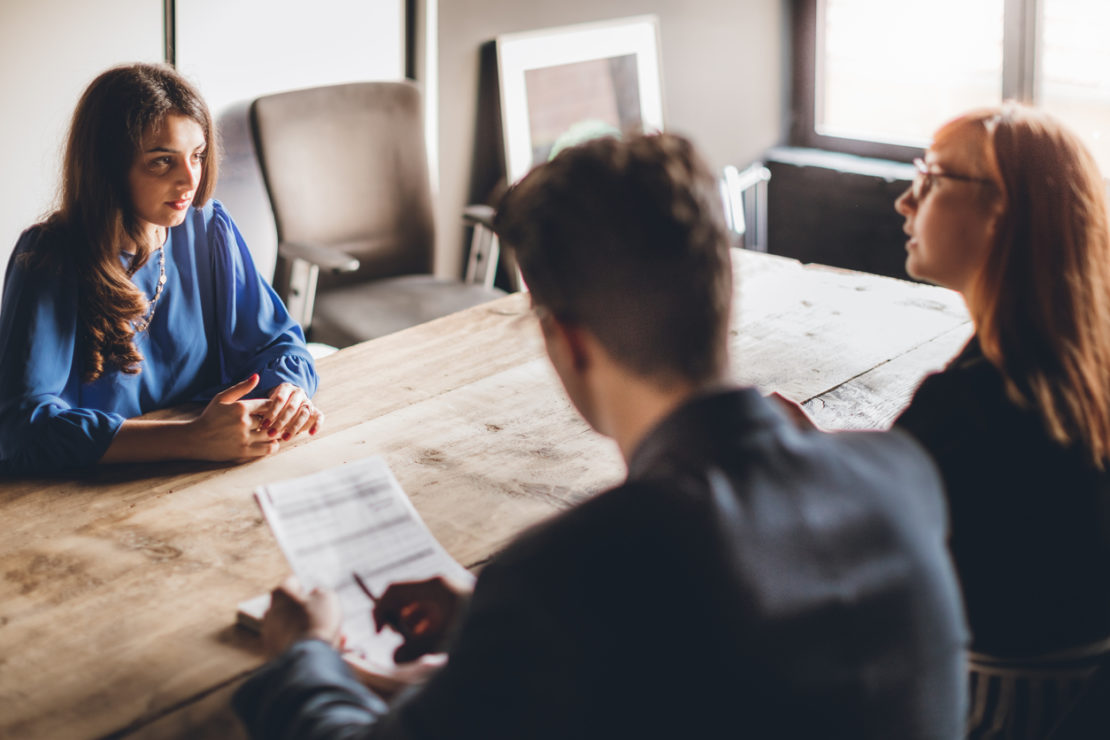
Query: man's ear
(570, 341)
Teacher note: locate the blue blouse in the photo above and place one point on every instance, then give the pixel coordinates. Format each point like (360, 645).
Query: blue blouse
(216, 322)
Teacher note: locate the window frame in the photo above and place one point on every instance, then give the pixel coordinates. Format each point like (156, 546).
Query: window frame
(1020, 46)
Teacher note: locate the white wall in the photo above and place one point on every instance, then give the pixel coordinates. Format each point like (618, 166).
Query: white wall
(238, 50)
(49, 51)
(724, 77)
(233, 50)
(722, 67)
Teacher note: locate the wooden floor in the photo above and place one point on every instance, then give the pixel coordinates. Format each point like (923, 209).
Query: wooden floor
(118, 591)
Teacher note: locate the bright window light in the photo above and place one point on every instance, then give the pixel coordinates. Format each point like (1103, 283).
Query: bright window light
(1074, 70)
(894, 71)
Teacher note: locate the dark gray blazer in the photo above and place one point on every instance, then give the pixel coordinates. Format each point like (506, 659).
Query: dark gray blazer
(748, 580)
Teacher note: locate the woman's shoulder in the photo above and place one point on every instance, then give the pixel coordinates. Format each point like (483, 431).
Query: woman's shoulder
(969, 373)
(43, 235)
(212, 214)
(217, 210)
(40, 271)
(40, 248)
(969, 387)
(967, 404)
(209, 228)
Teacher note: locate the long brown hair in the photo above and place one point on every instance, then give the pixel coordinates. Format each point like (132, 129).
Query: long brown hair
(96, 219)
(1041, 302)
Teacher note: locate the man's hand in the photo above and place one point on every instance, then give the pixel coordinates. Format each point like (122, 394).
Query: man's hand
(793, 411)
(294, 615)
(423, 612)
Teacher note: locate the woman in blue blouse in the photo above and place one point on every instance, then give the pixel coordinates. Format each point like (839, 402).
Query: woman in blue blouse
(139, 293)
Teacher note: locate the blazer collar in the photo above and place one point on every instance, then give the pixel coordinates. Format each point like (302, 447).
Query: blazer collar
(702, 423)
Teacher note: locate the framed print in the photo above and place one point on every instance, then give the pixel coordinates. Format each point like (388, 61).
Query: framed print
(560, 86)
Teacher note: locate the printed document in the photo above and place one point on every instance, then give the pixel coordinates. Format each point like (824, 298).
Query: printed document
(355, 518)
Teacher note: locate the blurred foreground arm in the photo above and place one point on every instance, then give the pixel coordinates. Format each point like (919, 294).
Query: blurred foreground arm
(307, 692)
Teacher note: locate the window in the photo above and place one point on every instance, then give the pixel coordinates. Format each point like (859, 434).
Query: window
(1073, 79)
(877, 77)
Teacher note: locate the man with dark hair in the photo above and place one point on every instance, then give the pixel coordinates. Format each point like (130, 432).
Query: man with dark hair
(747, 579)
(644, 266)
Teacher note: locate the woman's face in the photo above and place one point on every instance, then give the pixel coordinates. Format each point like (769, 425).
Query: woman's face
(165, 174)
(949, 219)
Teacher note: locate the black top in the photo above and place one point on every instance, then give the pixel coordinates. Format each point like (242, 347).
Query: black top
(748, 580)
(1029, 518)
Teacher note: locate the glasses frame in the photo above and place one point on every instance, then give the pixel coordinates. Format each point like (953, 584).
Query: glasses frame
(923, 179)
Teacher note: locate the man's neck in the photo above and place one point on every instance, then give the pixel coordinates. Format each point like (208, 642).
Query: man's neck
(621, 404)
(634, 406)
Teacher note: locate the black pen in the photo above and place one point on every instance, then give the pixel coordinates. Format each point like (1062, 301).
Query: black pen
(403, 623)
(365, 589)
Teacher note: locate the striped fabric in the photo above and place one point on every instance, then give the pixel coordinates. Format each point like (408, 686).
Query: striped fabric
(1023, 699)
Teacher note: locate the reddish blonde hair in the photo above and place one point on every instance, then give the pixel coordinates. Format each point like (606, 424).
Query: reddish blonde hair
(1041, 301)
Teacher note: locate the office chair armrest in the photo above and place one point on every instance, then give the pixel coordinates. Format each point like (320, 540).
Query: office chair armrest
(477, 214)
(745, 200)
(325, 258)
(485, 249)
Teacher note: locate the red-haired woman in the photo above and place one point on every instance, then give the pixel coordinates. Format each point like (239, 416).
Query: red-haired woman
(1009, 209)
(138, 293)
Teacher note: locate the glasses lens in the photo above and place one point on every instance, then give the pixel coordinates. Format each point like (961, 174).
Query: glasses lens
(922, 180)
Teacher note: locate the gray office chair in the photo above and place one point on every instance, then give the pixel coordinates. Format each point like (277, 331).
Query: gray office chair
(346, 171)
(744, 194)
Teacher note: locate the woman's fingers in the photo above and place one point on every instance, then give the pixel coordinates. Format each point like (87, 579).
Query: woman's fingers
(278, 398)
(287, 424)
(316, 422)
(308, 419)
(291, 399)
(295, 415)
(232, 427)
(250, 428)
(237, 391)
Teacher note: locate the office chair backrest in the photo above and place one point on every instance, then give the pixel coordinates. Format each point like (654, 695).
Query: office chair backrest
(345, 166)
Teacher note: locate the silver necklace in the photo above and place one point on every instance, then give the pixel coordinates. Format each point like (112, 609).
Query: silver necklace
(142, 324)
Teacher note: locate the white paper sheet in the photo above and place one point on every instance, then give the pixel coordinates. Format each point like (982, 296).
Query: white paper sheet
(355, 518)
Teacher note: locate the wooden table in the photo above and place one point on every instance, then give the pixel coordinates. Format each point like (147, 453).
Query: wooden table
(118, 591)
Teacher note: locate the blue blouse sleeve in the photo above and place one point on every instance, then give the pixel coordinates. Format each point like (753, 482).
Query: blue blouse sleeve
(40, 429)
(256, 333)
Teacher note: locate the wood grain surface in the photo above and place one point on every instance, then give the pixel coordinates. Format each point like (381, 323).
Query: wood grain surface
(118, 587)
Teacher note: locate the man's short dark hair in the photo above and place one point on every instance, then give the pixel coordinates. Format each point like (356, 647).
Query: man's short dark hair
(626, 237)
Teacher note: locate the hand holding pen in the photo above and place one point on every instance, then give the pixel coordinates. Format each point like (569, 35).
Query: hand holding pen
(422, 612)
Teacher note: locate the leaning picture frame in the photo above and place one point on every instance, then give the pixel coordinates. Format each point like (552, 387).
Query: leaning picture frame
(563, 85)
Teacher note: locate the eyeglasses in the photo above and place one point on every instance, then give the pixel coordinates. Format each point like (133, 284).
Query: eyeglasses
(923, 179)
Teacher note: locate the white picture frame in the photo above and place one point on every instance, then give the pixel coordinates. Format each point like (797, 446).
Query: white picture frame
(562, 85)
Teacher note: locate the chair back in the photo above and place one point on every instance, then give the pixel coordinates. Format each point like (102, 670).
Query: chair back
(745, 201)
(345, 166)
